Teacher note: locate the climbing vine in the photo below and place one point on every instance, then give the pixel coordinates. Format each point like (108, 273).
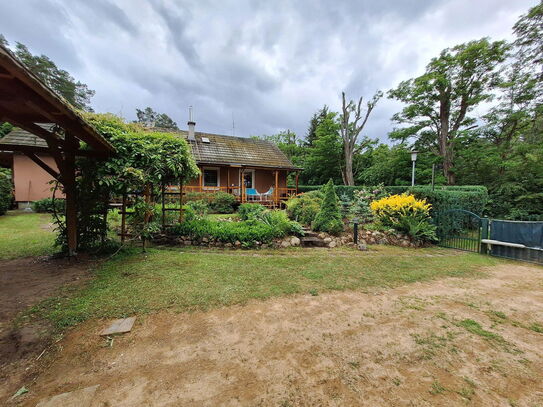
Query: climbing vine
(142, 162)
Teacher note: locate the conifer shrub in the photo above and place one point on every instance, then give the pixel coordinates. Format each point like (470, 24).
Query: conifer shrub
(329, 218)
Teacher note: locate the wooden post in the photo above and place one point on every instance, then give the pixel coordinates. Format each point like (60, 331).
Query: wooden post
(297, 176)
(147, 199)
(242, 186)
(123, 218)
(276, 187)
(68, 178)
(163, 209)
(227, 180)
(201, 180)
(180, 200)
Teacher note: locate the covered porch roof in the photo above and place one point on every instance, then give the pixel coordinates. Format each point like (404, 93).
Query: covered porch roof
(26, 102)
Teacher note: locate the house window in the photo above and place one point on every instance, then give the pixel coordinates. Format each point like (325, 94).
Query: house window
(249, 178)
(211, 177)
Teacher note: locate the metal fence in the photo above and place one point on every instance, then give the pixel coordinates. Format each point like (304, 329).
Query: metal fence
(464, 230)
(516, 240)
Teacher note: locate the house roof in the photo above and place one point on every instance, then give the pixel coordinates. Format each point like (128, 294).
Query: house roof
(20, 137)
(220, 150)
(26, 100)
(230, 150)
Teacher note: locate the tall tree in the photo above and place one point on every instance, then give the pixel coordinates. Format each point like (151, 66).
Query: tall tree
(149, 118)
(75, 92)
(529, 61)
(353, 119)
(324, 160)
(438, 102)
(317, 118)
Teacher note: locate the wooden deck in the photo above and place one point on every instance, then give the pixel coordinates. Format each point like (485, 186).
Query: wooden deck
(275, 200)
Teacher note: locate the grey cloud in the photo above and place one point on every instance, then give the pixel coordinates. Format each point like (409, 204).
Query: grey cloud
(269, 64)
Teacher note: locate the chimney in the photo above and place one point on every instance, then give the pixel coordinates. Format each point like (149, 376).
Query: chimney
(191, 124)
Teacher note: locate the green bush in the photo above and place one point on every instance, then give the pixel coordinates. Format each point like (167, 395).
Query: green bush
(222, 202)
(304, 207)
(261, 226)
(247, 232)
(405, 213)
(218, 202)
(199, 207)
(281, 223)
(473, 198)
(362, 199)
(197, 196)
(6, 190)
(329, 217)
(49, 205)
(250, 211)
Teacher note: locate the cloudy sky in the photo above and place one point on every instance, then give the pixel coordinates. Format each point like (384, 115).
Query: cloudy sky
(267, 64)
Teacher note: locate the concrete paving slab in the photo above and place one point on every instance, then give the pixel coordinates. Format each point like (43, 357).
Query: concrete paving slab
(119, 326)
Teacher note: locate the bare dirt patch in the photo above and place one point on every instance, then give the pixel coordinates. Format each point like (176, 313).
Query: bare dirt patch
(23, 283)
(455, 341)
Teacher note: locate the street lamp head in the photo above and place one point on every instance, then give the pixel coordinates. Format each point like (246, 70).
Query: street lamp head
(414, 155)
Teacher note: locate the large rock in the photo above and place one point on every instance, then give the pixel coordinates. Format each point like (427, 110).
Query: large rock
(285, 243)
(327, 239)
(332, 244)
(362, 247)
(295, 241)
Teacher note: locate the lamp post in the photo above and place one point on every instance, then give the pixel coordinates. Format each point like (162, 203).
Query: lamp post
(413, 160)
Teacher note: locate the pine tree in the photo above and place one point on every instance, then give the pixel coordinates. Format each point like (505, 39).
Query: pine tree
(329, 217)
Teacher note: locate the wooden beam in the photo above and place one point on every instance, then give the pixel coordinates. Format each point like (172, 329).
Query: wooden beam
(45, 150)
(44, 166)
(297, 177)
(276, 186)
(68, 177)
(180, 200)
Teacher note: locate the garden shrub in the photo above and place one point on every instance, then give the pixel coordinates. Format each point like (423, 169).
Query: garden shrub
(246, 232)
(6, 190)
(218, 202)
(259, 226)
(222, 202)
(199, 207)
(362, 199)
(329, 217)
(473, 198)
(279, 220)
(304, 207)
(250, 211)
(406, 214)
(49, 205)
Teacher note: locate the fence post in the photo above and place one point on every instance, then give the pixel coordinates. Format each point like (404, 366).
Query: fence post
(484, 235)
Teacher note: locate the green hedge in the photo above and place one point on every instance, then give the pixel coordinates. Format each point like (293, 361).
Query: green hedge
(48, 205)
(6, 190)
(262, 227)
(469, 197)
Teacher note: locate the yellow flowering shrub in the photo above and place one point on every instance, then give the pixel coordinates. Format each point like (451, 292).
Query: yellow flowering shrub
(406, 214)
(400, 205)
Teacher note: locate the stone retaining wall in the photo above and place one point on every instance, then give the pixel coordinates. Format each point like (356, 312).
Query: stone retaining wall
(365, 237)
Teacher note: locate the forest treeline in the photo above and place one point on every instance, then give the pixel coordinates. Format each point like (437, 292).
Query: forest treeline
(476, 113)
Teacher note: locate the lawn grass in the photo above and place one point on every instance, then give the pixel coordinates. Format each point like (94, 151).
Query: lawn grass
(189, 279)
(25, 234)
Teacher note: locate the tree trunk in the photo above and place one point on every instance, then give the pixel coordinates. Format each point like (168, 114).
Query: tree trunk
(349, 178)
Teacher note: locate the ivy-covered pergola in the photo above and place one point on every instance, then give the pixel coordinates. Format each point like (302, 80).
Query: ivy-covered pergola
(26, 102)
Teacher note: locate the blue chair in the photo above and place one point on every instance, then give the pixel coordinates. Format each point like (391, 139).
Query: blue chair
(266, 196)
(251, 194)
